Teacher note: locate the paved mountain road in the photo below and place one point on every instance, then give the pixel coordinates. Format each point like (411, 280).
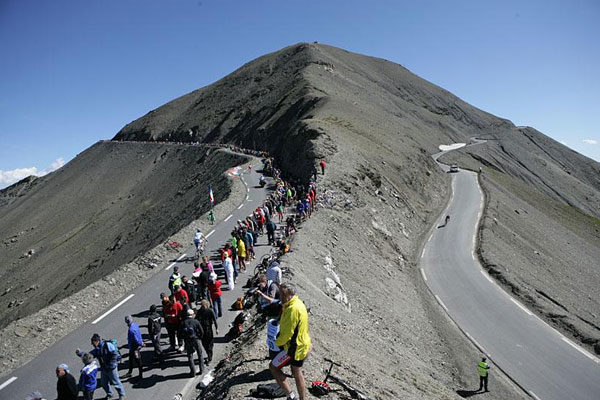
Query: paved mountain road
(540, 359)
(157, 384)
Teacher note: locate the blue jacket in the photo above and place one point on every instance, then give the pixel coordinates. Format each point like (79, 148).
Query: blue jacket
(134, 337)
(107, 354)
(87, 380)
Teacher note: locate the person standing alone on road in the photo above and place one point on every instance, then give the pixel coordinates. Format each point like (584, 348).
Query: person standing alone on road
(322, 164)
(483, 369)
(135, 343)
(207, 318)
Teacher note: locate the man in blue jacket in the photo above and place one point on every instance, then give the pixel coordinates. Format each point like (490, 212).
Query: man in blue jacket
(108, 356)
(135, 343)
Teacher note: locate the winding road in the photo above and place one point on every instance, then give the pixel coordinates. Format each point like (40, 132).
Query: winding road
(543, 362)
(39, 374)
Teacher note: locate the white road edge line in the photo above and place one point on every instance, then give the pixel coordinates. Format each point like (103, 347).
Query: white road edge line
(210, 233)
(584, 352)
(441, 302)
(240, 206)
(247, 190)
(423, 253)
(520, 305)
(247, 198)
(8, 382)
(486, 276)
(423, 274)
(535, 396)
(480, 347)
(181, 256)
(227, 219)
(113, 309)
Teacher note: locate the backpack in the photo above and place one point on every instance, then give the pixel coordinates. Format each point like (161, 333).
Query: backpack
(189, 332)
(107, 355)
(267, 391)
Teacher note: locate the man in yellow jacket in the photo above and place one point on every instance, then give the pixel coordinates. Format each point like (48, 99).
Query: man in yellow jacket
(295, 340)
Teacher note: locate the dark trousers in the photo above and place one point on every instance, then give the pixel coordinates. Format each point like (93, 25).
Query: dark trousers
(483, 380)
(88, 394)
(172, 331)
(207, 343)
(156, 345)
(271, 237)
(135, 358)
(192, 345)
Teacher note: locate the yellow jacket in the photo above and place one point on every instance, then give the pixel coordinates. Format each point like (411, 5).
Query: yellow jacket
(241, 249)
(293, 329)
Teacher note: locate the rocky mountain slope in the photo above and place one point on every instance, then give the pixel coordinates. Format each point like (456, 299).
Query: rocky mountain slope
(110, 204)
(540, 236)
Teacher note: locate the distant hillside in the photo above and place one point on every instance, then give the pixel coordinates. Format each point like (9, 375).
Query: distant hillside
(110, 204)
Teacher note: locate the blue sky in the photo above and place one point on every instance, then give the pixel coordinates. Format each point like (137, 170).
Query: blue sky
(74, 72)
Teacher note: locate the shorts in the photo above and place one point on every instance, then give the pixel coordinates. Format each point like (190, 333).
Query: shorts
(283, 358)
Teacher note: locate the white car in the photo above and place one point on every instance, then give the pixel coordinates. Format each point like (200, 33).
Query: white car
(453, 168)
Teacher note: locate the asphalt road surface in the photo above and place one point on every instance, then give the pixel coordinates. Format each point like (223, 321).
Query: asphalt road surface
(540, 359)
(157, 384)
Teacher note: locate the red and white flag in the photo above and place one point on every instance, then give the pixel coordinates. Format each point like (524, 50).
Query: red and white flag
(210, 196)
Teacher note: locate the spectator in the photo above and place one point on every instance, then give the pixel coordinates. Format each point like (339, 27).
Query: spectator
(108, 356)
(192, 331)
(241, 252)
(214, 287)
(322, 164)
(274, 272)
(87, 379)
(268, 295)
(180, 294)
(154, 328)
(172, 310)
(66, 386)
(188, 286)
(135, 343)
(174, 279)
(271, 227)
(272, 332)
(228, 267)
(206, 317)
(294, 338)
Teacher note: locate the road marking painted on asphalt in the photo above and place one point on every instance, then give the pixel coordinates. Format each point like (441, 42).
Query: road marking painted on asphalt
(584, 352)
(535, 396)
(113, 309)
(247, 197)
(423, 253)
(227, 219)
(480, 347)
(210, 233)
(486, 276)
(441, 302)
(240, 206)
(423, 274)
(247, 190)
(8, 382)
(179, 259)
(520, 305)
(473, 256)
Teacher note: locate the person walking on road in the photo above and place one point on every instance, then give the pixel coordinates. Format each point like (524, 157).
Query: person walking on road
(172, 310)
(135, 343)
(294, 338)
(214, 288)
(322, 165)
(87, 379)
(108, 356)
(206, 317)
(483, 369)
(154, 328)
(66, 386)
(192, 331)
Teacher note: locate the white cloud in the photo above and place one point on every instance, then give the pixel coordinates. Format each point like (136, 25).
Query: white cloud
(590, 141)
(9, 177)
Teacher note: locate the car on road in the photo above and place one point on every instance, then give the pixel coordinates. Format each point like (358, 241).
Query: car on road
(453, 168)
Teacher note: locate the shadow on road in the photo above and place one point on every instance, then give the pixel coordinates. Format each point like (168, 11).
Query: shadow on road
(467, 393)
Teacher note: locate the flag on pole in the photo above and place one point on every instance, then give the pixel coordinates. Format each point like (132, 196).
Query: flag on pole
(210, 196)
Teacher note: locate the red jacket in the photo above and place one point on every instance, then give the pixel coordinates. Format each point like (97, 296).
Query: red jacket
(215, 289)
(172, 312)
(182, 294)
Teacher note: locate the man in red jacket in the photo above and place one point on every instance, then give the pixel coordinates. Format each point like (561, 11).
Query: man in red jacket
(322, 164)
(172, 310)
